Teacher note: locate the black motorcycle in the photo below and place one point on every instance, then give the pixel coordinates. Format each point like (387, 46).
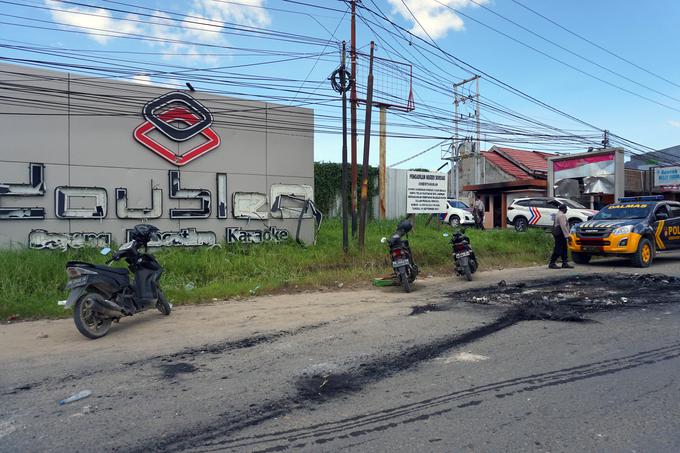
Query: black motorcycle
(405, 269)
(464, 259)
(103, 294)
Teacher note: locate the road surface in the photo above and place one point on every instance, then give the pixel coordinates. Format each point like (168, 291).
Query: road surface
(354, 370)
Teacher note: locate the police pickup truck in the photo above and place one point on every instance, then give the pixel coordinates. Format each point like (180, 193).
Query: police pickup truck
(635, 226)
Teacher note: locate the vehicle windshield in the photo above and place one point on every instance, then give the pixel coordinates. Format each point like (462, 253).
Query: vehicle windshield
(573, 204)
(624, 211)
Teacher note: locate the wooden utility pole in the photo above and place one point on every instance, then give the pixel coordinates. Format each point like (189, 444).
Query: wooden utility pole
(353, 114)
(343, 190)
(367, 147)
(382, 168)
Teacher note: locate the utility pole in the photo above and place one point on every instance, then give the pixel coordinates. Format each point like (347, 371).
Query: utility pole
(605, 139)
(455, 146)
(382, 167)
(367, 148)
(343, 191)
(353, 113)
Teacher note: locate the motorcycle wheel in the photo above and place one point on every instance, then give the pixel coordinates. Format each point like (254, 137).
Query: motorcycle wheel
(466, 271)
(404, 280)
(89, 323)
(163, 305)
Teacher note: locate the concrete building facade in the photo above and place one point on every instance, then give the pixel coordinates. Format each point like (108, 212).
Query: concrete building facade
(83, 159)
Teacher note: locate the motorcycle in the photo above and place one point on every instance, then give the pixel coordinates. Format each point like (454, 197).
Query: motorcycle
(405, 270)
(464, 259)
(101, 294)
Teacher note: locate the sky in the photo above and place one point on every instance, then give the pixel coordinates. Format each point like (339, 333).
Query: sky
(268, 49)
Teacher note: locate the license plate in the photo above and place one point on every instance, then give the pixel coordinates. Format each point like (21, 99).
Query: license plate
(399, 263)
(590, 248)
(462, 254)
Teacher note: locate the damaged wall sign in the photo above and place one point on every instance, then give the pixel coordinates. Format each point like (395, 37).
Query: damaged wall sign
(76, 178)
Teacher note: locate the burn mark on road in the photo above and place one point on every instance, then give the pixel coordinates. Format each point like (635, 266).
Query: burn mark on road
(560, 299)
(171, 370)
(420, 309)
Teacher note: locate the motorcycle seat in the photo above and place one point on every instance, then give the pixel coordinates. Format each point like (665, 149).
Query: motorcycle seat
(115, 270)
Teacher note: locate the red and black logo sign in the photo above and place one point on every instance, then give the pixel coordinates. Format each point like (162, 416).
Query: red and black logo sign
(165, 114)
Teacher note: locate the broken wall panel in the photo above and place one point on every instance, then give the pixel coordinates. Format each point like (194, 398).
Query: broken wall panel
(80, 202)
(34, 188)
(203, 196)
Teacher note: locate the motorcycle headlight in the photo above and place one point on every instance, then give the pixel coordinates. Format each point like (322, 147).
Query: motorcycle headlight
(623, 230)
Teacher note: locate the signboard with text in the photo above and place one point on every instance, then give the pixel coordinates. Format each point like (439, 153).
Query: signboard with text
(666, 176)
(426, 192)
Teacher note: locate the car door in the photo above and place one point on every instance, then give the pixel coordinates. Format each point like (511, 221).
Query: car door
(669, 232)
(550, 212)
(539, 213)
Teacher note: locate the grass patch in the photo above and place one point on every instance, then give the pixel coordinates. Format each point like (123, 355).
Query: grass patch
(33, 280)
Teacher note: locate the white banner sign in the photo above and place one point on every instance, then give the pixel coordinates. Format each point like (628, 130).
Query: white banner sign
(666, 176)
(426, 192)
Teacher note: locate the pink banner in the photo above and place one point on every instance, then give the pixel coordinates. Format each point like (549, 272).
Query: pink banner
(568, 164)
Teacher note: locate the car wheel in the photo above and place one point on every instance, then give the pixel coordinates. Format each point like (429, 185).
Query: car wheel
(521, 224)
(644, 255)
(454, 221)
(581, 258)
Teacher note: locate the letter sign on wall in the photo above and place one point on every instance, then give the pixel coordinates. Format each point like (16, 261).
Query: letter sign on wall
(154, 212)
(34, 188)
(177, 193)
(63, 200)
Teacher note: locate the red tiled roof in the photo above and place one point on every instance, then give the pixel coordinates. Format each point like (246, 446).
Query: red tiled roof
(504, 165)
(511, 161)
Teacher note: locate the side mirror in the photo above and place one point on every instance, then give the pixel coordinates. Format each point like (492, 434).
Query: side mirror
(445, 235)
(383, 240)
(661, 216)
(105, 251)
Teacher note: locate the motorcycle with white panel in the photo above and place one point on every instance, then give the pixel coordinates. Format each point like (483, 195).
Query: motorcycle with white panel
(525, 213)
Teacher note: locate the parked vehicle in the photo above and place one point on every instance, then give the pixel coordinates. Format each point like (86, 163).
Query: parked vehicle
(405, 269)
(464, 259)
(457, 213)
(636, 227)
(103, 294)
(525, 213)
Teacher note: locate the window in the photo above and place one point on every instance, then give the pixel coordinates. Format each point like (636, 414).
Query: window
(538, 203)
(461, 205)
(675, 210)
(553, 204)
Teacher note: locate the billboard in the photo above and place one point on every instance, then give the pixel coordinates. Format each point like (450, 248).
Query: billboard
(82, 160)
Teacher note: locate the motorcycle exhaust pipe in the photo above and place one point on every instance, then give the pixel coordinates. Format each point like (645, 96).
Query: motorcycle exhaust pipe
(108, 308)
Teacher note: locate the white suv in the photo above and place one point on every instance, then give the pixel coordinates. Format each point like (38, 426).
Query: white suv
(540, 212)
(457, 213)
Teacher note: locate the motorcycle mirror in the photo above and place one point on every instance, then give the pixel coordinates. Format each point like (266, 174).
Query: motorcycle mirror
(383, 240)
(105, 251)
(445, 235)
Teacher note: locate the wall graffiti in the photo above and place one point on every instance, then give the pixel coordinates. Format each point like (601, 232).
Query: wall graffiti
(186, 237)
(238, 235)
(34, 188)
(178, 193)
(64, 197)
(42, 239)
(124, 212)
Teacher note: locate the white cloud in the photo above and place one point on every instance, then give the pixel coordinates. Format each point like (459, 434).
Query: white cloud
(97, 22)
(674, 123)
(209, 18)
(433, 15)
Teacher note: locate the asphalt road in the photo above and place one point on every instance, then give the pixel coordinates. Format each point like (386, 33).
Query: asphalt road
(353, 371)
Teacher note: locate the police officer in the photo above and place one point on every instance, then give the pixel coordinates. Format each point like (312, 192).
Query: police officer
(560, 233)
(478, 209)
